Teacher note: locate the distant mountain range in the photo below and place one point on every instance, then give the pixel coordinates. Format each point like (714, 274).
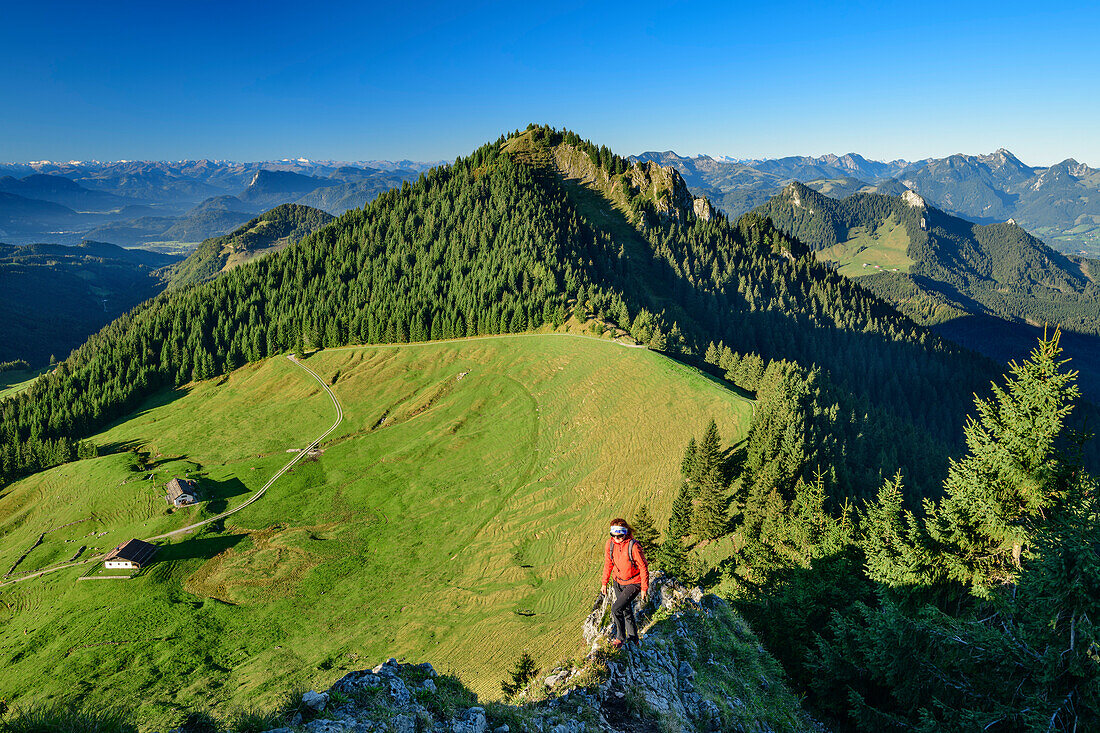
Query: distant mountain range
(135, 203)
(1058, 203)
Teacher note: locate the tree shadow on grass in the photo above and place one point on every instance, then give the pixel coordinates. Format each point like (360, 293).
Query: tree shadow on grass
(202, 548)
(218, 493)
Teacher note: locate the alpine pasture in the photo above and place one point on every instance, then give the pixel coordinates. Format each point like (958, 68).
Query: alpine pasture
(456, 515)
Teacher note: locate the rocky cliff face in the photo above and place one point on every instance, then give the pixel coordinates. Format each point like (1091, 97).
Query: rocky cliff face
(698, 668)
(660, 184)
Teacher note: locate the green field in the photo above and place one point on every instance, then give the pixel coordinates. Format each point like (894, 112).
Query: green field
(867, 252)
(456, 520)
(15, 381)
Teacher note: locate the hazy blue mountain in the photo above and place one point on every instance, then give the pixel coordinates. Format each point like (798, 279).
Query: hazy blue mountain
(61, 190)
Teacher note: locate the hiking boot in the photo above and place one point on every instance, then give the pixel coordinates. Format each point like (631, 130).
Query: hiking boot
(616, 643)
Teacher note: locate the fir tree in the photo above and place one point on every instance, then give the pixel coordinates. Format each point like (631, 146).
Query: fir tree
(709, 453)
(679, 524)
(688, 467)
(522, 673)
(673, 558)
(710, 520)
(1009, 478)
(646, 532)
(299, 344)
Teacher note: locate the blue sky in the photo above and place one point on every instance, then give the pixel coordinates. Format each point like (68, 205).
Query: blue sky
(429, 81)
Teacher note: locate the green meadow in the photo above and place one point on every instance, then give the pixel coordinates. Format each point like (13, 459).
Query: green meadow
(457, 515)
(867, 252)
(15, 381)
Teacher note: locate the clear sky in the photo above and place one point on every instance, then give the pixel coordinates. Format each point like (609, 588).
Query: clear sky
(403, 79)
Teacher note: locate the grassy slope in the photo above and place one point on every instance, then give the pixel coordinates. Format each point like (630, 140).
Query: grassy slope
(464, 529)
(15, 381)
(884, 248)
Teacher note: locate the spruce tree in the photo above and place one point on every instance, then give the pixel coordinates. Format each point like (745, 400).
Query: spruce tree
(1009, 478)
(709, 453)
(679, 524)
(645, 531)
(712, 356)
(673, 558)
(299, 344)
(688, 468)
(710, 520)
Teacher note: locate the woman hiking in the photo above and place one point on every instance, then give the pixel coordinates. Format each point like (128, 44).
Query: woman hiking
(624, 556)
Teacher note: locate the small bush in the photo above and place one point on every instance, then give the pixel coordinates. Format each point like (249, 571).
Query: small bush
(253, 721)
(60, 719)
(522, 673)
(199, 722)
(450, 697)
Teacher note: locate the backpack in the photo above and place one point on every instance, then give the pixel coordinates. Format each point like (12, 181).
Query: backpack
(629, 552)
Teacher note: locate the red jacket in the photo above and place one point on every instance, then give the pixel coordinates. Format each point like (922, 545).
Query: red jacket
(618, 556)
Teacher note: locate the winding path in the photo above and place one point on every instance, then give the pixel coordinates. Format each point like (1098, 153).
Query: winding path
(223, 515)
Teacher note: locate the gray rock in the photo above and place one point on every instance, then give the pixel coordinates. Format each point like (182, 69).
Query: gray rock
(427, 668)
(353, 681)
(404, 724)
(501, 729)
(327, 726)
(476, 720)
(387, 668)
(315, 701)
(278, 730)
(428, 685)
(399, 691)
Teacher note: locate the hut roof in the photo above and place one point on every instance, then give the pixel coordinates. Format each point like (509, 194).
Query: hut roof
(136, 551)
(179, 486)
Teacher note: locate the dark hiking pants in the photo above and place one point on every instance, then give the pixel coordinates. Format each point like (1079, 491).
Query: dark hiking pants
(622, 610)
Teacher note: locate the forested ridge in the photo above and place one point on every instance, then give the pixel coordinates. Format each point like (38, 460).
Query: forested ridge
(977, 611)
(998, 269)
(499, 243)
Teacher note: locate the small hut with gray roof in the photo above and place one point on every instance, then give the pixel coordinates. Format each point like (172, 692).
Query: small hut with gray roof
(182, 492)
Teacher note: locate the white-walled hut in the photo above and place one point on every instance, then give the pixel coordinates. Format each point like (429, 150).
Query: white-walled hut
(130, 555)
(182, 492)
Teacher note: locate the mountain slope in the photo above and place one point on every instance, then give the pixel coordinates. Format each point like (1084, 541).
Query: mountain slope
(514, 237)
(268, 233)
(61, 190)
(990, 287)
(996, 269)
(54, 296)
(271, 188)
(457, 513)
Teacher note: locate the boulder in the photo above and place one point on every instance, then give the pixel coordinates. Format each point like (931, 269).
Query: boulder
(404, 724)
(399, 691)
(315, 701)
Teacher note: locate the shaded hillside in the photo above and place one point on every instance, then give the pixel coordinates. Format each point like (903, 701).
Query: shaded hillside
(1060, 203)
(990, 288)
(268, 233)
(21, 216)
(270, 188)
(354, 194)
(52, 297)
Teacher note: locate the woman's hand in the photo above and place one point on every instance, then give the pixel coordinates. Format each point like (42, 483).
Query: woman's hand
(602, 589)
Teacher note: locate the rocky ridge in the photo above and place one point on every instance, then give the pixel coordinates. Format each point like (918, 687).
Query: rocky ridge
(698, 668)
